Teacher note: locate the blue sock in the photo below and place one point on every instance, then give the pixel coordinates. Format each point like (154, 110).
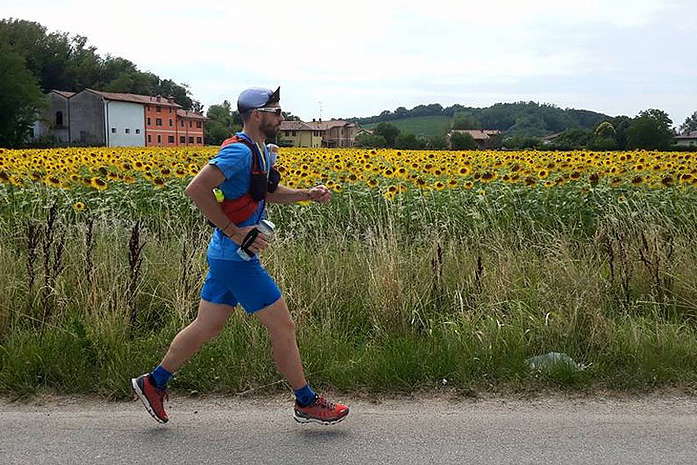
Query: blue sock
(305, 396)
(160, 377)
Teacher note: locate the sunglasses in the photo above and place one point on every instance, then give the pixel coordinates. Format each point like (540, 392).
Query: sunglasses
(276, 111)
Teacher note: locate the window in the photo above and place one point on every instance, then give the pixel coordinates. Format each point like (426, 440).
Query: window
(128, 131)
(158, 122)
(191, 124)
(198, 140)
(158, 109)
(293, 133)
(170, 110)
(198, 124)
(147, 107)
(182, 123)
(137, 131)
(191, 140)
(59, 118)
(149, 138)
(171, 123)
(182, 140)
(170, 139)
(149, 123)
(113, 130)
(159, 138)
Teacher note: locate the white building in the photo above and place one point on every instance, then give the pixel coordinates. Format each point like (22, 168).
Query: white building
(125, 124)
(687, 140)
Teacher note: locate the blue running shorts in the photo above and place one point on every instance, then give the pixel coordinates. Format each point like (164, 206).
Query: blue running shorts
(233, 282)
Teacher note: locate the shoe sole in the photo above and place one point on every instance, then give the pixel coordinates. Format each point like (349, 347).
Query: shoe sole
(305, 420)
(144, 400)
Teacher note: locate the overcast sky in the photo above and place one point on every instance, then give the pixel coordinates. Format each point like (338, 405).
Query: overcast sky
(361, 57)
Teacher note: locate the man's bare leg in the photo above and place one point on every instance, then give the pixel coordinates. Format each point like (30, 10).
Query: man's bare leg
(210, 320)
(277, 319)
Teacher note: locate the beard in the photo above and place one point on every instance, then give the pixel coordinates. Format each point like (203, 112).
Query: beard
(269, 129)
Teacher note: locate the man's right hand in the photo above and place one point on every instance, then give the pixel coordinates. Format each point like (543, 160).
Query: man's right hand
(259, 244)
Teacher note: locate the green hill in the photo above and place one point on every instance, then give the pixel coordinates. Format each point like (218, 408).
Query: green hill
(522, 119)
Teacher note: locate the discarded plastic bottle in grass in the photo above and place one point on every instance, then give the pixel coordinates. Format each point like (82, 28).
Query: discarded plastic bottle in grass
(552, 360)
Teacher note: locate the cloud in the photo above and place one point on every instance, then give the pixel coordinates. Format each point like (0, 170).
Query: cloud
(368, 56)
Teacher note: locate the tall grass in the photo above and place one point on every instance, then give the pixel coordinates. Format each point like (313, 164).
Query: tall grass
(456, 287)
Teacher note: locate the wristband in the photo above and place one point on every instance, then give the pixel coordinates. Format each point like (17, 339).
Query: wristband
(249, 240)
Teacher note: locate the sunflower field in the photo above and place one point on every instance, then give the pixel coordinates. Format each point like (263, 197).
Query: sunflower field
(427, 270)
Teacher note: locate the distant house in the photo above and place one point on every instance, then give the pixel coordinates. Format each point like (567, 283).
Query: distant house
(107, 119)
(113, 119)
(336, 133)
(483, 137)
(190, 128)
(300, 134)
(687, 140)
(54, 121)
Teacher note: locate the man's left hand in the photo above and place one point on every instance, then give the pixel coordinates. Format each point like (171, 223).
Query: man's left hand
(320, 194)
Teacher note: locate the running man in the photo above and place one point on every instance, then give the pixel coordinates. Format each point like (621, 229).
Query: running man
(231, 279)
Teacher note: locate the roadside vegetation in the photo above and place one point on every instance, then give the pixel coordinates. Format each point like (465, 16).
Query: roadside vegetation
(453, 271)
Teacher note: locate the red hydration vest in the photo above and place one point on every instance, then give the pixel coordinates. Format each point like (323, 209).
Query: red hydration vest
(242, 208)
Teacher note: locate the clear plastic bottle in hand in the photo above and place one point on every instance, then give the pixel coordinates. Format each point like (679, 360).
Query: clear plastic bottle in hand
(266, 228)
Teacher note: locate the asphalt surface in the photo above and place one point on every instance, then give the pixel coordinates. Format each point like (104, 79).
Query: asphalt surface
(212, 430)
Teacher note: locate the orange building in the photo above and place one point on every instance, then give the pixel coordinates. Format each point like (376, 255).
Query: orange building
(189, 128)
(161, 122)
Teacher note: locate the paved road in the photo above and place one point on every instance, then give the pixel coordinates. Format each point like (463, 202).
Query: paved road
(261, 431)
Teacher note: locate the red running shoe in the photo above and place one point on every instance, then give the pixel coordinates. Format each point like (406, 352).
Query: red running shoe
(151, 396)
(320, 411)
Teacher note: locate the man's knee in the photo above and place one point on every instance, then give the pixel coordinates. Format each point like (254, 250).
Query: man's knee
(208, 329)
(276, 317)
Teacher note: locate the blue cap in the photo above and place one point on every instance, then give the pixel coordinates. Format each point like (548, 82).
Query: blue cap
(257, 97)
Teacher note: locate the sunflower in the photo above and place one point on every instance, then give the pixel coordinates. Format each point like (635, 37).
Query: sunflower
(79, 206)
(53, 181)
(98, 184)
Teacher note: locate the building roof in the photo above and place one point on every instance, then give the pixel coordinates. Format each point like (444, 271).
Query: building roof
(326, 125)
(190, 114)
(295, 126)
(689, 135)
(135, 98)
(478, 134)
(64, 93)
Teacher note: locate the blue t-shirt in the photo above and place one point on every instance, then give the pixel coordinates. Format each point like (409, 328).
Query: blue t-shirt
(235, 162)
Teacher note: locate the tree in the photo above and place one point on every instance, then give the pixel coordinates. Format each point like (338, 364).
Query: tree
(389, 132)
(462, 141)
(573, 139)
(465, 120)
(651, 130)
(690, 124)
(222, 123)
(370, 141)
(439, 142)
(604, 137)
(409, 142)
(20, 98)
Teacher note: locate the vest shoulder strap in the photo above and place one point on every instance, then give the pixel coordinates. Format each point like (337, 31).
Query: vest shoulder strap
(256, 155)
